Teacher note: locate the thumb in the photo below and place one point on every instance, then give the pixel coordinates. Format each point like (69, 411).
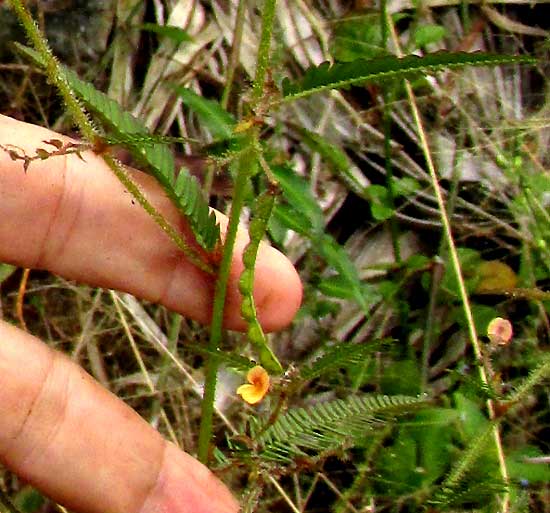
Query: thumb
(86, 449)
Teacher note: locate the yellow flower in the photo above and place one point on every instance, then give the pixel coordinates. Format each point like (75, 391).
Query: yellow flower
(257, 387)
(500, 331)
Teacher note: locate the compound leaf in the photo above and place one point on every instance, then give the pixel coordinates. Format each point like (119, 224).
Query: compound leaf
(330, 425)
(344, 74)
(183, 189)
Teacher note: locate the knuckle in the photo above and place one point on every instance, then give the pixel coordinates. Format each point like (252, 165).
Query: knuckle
(65, 209)
(42, 416)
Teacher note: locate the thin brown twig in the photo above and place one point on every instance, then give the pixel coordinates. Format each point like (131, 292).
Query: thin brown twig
(21, 297)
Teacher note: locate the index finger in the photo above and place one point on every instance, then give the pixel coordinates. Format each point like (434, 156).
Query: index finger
(74, 218)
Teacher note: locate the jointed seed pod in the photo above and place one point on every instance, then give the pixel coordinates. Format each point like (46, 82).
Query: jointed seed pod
(263, 206)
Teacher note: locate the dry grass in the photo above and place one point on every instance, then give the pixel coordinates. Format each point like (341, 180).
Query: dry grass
(485, 126)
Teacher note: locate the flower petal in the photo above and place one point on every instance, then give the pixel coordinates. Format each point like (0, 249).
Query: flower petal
(250, 394)
(258, 380)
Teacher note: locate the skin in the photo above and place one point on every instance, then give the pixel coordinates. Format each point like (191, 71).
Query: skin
(59, 429)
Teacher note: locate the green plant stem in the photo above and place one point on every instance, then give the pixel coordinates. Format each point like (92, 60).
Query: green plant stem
(387, 139)
(235, 53)
(473, 452)
(247, 159)
(437, 276)
(123, 177)
(57, 78)
(388, 167)
(532, 294)
(394, 228)
(262, 63)
(474, 341)
(207, 405)
(53, 71)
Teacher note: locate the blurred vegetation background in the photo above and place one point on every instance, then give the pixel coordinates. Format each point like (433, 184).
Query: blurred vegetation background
(382, 304)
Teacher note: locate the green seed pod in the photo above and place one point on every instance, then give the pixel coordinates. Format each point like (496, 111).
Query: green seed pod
(261, 213)
(246, 281)
(249, 256)
(269, 360)
(248, 310)
(256, 335)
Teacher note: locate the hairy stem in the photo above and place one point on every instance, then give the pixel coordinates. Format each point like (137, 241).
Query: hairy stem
(262, 63)
(57, 77)
(53, 71)
(246, 164)
(123, 177)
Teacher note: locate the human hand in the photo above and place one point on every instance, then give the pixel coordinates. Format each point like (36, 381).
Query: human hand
(59, 429)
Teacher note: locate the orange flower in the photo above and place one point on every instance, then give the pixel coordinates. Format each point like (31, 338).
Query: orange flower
(257, 387)
(500, 331)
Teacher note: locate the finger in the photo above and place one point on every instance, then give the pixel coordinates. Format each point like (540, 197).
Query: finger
(74, 218)
(85, 448)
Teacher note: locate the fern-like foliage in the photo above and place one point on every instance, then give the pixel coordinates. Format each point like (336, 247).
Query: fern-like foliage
(146, 139)
(183, 189)
(339, 356)
(187, 193)
(474, 388)
(340, 75)
(473, 493)
(330, 426)
(230, 360)
(124, 126)
(476, 465)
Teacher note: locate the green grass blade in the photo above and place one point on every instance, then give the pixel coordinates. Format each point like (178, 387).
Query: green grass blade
(210, 113)
(176, 34)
